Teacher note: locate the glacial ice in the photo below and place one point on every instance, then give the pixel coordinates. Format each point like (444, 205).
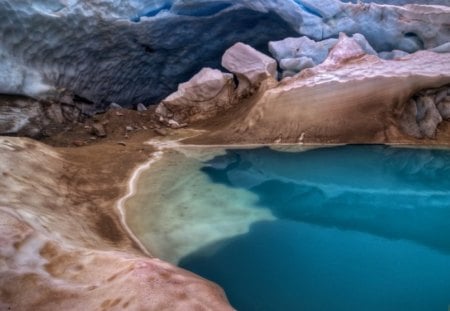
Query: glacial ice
(140, 50)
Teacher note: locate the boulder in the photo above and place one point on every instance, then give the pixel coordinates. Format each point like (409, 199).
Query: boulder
(204, 96)
(140, 107)
(444, 108)
(408, 122)
(250, 66)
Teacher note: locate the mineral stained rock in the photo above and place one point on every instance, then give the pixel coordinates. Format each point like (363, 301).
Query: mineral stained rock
(139, 51)
(52, 257)
(350, 97)
(209, 92)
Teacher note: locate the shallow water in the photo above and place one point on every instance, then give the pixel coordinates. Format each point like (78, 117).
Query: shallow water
(341, 228)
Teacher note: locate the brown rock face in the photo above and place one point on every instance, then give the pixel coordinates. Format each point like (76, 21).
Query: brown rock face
(209, 92)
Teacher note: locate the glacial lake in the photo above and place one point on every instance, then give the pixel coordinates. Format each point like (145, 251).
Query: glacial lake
(336, 228)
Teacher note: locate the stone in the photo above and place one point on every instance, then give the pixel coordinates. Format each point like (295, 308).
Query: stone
(141, 108)
(250, 66)
(209, 92)
(444, 108)
(129, 128)
(161, 132)
(98, 130)
(440, 95)
(408, 120)
(29, 117)
(115, 106)
(429, 123)
(78, 143)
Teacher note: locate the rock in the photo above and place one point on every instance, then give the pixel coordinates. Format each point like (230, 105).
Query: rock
(129, 128)
(78, 143)
(140, 107)
(174, 124)
(250, 66)
(430, 122)
(98, 130)
(29, 117)
(161, 132)
(209, 92)
(121, 143)
(440, 95)
(444, 108)
(115, 106)
(408, 120)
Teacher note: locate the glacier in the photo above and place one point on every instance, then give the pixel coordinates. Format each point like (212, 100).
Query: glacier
(138, 51)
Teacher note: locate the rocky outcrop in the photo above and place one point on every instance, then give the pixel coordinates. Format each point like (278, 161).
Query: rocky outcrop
(32, 118)
(53, 257)
(350, 97)
(425, 111)
(209, 92)
(250, 66)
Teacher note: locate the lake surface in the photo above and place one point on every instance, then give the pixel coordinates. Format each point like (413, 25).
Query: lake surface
(338, 228)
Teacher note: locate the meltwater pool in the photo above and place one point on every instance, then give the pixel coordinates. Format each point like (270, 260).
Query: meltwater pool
(335, 228)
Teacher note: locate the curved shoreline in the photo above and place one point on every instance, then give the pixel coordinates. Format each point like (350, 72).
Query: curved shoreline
(131, 190)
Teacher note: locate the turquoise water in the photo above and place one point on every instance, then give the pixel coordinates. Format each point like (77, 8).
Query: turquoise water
(355, 228)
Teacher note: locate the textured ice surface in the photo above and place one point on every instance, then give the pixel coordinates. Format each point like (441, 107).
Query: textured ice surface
(138, 51)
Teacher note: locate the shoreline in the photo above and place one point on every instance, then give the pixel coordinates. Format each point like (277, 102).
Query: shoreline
(131, 190)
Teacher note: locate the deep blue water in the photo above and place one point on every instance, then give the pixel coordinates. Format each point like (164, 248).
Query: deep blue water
(358, 228)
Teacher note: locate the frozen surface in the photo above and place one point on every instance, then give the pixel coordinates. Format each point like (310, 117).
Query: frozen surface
(138, 51)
